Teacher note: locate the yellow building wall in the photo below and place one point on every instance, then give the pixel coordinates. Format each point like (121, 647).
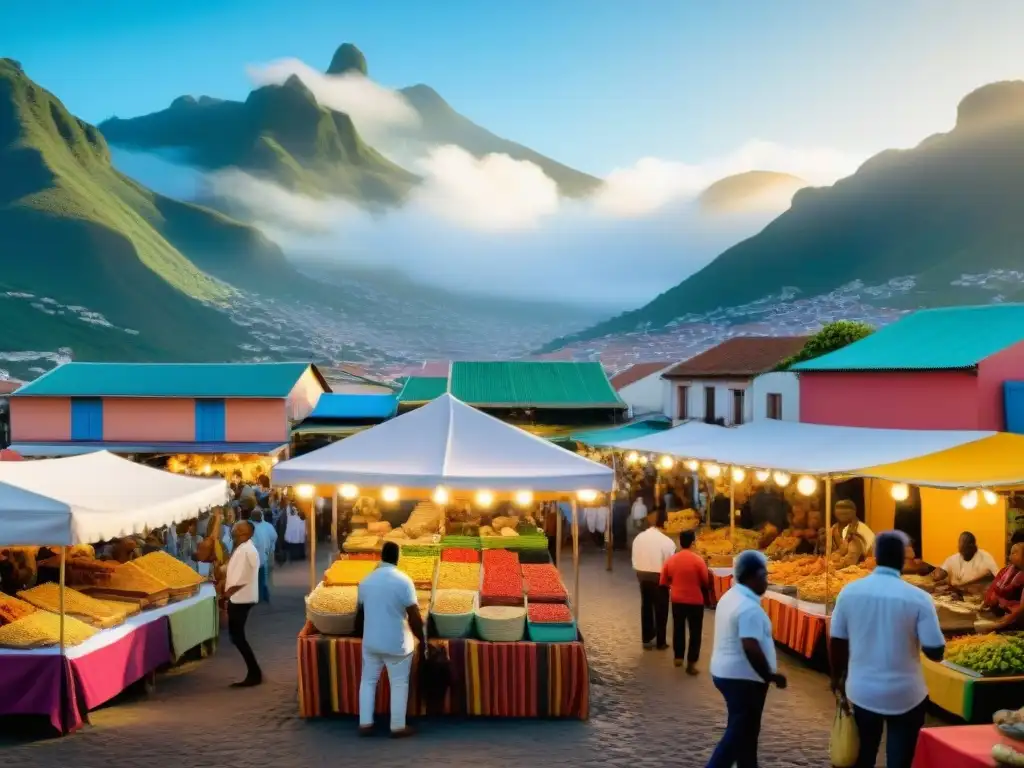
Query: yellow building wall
(880, 509)
(943, 520)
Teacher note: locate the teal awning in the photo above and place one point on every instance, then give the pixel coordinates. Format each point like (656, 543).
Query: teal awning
(602, 437)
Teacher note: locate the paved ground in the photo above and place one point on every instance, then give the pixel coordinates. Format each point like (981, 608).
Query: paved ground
(645, 713)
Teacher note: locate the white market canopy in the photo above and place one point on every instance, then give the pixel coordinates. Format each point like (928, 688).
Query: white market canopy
(94, 497)
(446, 443)
(939, 458)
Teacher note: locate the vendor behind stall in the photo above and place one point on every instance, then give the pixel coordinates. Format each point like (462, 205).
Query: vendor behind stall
(852, 540)
(912, 564)
(970, 569)
(1004, 596)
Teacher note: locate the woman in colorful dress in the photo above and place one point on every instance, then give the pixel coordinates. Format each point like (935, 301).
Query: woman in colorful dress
(1004, 595)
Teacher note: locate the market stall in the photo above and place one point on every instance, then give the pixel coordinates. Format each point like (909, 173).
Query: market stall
(507, 621)
(67, 647)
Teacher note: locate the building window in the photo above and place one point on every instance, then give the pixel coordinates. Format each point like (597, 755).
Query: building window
(737, 406)
(210, 421)
(86, 418)
(774, 410)
(682, 403)
(709, 405)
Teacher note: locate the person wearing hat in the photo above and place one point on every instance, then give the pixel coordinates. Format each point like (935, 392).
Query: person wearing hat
(852, 540)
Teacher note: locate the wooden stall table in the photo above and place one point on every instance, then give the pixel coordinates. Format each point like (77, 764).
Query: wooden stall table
(541, 680)
(965, 746)
(721, 580)
(975, 699)
(796, 624)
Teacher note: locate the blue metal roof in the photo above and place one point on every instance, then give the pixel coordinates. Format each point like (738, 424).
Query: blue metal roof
(77, 448)
(601, 437)
(348, 406)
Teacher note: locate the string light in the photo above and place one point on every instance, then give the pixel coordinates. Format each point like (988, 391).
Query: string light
(587, 496)
(900, 492)
(643, 461)
(692, 464)
(524, 498)
(781, 479)
(738, 474)
(807, 485)
(969, 500)
(348, 491)
(991, 497)
(632, 457)
(207, 470)
(304, 491)
(484, 498)
(440, 495)
(389, 493)
(762, 475)
(712, 470)
(666, 462)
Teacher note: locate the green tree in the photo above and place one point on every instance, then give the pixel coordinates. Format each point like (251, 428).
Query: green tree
(831, 337)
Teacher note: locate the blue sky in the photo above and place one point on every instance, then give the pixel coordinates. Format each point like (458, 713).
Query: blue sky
(596, 84)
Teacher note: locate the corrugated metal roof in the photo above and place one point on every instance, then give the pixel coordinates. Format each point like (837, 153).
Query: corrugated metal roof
(951, 338)
(77, 448)
(599, 437)
(526, 384)
(422, 389)
(248, 380)
(740, 356)
(335, 406)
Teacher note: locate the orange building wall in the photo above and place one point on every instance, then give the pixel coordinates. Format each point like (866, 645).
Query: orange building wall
(255, 421)
(161, 420)
(40, 419)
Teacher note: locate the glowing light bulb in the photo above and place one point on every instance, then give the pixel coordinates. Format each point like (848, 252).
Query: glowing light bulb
(900, 492)
(484, 498)
(207, 470)
(348, 491)
(692, 464)
(738, 474)
(762, 475)
(666, 462)
(305, 491)
(969, 500)
(389, 493)
(632, 457)
(440, 495)
(587, 496)
(807, 485)
(991, 497)
(781, 479)
(712, 470)
(524, 498)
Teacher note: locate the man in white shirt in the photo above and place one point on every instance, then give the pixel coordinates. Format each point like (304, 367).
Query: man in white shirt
(743, 662)
(880, 627)
(637, 517)
(391, 621)
(241, 592)
(969, 566)
(295, 534)
(650, 551)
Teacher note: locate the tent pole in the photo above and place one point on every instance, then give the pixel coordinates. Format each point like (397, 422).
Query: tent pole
(63, 674)
(575, 560)
(610, 539)
(558, 536)
(334, 522)
(732, 508)
(828, 539)
(312, 543)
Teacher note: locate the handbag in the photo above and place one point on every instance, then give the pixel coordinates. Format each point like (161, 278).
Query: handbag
(844, 742)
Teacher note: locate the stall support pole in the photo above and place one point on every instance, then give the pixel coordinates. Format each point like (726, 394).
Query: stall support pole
(575, 561)
(312, 543)
(558, 536)
(64, 697)
(828, 540)
(334, 522)
(732, 508)
(610, 539)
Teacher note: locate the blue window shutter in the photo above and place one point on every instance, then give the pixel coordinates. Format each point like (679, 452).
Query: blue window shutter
(86, 418)
(210, 421)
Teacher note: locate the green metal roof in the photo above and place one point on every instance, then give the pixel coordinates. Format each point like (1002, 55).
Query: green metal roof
(244, 380)
(422, 389)
(529, 384)
(952, 338)
(613, 435)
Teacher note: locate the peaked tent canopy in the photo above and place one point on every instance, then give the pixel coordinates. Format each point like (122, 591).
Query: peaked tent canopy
(451, 444)
(99, 496)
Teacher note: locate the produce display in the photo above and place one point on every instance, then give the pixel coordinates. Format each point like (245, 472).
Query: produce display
(457, 555)
(782, 546)
(12, 609)
(1004, 754)
(361, 540)
(785, 573)
(927, 583)
(500, 612)
(717, 543)
(1009, 717)
(421, 550)
(419, 569)
(549, 613)
(83, 607)
(169, 570)
(460, 542)
(421, 527)
(509, 539)
(122, 608)
(990, 655)
(815, 590)
(336, 600)
(42, 628)
(963, 605)
(83, 570)
(348, 572)
(543, 583)
(454, 575)
(681, 520)
(131, 582)
(446, 602)
(502, 578)
(374, 556)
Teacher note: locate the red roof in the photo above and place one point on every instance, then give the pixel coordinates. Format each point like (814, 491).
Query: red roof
(636, 372)
(742, 356)
(9, 385)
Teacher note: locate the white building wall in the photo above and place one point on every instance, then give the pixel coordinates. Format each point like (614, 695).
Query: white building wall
(784, 383)
(696, 397)
(644, 396)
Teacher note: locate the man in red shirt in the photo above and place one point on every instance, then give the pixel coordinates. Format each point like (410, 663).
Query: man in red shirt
(689, 581)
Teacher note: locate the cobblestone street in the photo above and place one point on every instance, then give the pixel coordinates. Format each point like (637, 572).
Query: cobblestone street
(645, 713)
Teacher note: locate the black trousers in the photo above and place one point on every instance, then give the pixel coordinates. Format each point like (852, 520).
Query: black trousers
(238, 614)
(685, 616)
(744, 700)
(653, 611)
(901, 739)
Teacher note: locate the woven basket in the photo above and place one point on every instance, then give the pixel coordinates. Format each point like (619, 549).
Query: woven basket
(453, 624)
(332, 623)
(508, 630)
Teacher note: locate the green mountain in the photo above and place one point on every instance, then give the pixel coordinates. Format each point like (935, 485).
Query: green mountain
(92, 260)
(278, 132)
(944, 209)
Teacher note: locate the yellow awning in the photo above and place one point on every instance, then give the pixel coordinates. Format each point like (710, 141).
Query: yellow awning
(991, 462)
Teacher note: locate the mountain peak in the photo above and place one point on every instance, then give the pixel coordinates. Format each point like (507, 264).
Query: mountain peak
(991, 105)
(183, 102)
(347, 60)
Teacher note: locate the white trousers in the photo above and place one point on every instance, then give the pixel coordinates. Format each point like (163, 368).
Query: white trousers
(398, 678)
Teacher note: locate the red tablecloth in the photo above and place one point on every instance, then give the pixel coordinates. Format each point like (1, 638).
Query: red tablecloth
(965, 746)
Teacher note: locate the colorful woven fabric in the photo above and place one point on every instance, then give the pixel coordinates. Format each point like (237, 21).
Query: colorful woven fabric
(537, 680)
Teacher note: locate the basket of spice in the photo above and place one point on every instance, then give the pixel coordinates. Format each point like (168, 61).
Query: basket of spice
(452, 612)
(550, 623)
(333, 610)
(501, 623)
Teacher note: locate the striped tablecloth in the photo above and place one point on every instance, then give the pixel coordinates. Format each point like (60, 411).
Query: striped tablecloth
(488, 679)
